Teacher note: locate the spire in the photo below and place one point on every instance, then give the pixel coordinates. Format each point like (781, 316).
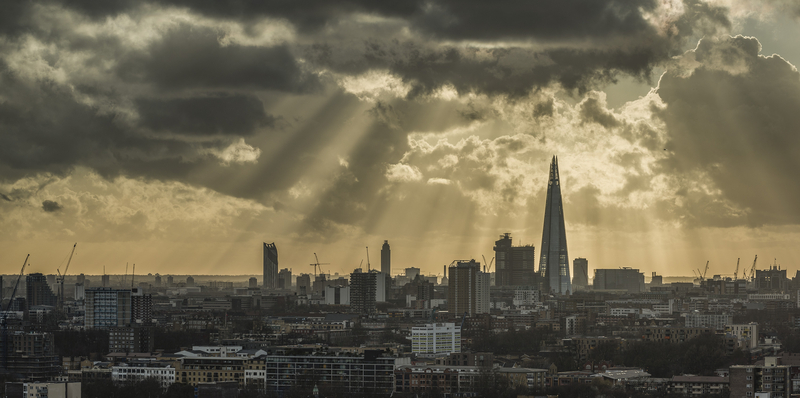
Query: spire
(553, 260)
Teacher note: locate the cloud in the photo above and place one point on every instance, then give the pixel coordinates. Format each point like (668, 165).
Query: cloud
(223, 114)
(731, 117)
(50, 206)
(402, 173)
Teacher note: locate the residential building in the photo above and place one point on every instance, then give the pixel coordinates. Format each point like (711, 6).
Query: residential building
(370, 374)
(136, 338)
(625, 278)
(468, 289)
(554, 259)
(746, 334)
(51, 390)
(337, 295)
(436, 338)
(32, 355)
(363, 291)
(514, 265)
(141, 306)
(701, 319)
(196, 370)
(285, 279)
(270, 253)
(38, 291)
(772, 380)
(673, 334)
(162, 371)
(526, 297)
(696, 386)
(107, 307)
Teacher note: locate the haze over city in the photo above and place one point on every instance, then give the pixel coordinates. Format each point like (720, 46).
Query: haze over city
(179, 136)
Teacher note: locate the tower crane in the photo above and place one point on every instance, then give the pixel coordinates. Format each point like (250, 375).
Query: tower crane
(316, 266)
(489, 267)
(753, 269)
(736, 273)
(4, 316)
(368, 259)
(61, 276)
(705, 271)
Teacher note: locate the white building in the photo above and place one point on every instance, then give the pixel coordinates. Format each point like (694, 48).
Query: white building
(716, 321)
(746, 333)
(51, 390)
(338, 295)
(140, 370)
(218, 350)
(436, 338)
(526, 298)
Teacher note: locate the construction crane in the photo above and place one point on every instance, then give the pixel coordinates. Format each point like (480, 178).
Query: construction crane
(61, 276)
(705, 271)
(133, 275)
(736, 273)
(316, 266)
(485, 267)
(4, 316)
(752, 274)
(368, 269)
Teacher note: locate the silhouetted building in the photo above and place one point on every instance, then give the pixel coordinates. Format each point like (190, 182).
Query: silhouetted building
(304, 284)
(107, 307)
(619, 279)
(105, 281)
(772, 279)
(31, 355)
(189, 281)
(135, 338)
(270, 266)
(580, 270)
(170, 280)
(252, 282)
(38, 291)
(468, 290)
(158, 280)
(81, 278)
(386, 258)
(554, 260)
(514, 265)
(285, 279)
(141, 307)
(363, 291)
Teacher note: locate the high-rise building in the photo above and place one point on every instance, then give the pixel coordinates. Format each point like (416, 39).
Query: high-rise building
(468, 289)
(554, 260)
(514, 265)
(580, 270)
(157, 280)
(189, 281)
(252, 282)
(141, 307)
(81, 278)
(170, 281)
(105, 281)
(285, 279)
(304, 284)
(619, 279)
(386, 258)
(107, 307)
(363, 291)
(270, 266)
(38, 291)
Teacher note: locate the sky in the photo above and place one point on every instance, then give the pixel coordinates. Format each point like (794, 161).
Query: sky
(181, 134)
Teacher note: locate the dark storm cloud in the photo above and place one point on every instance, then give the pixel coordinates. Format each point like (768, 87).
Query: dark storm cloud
(51, 206)
(4, 197)
(235, 114)
(593, 111)
(193, 57)
(735, 119)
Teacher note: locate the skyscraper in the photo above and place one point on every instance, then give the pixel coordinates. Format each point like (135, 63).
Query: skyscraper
(386, 258)
(580, 269)
(363, 291)
(270, 266)
(468, 289)
(554, 260)
(514, 265)
(38, 291)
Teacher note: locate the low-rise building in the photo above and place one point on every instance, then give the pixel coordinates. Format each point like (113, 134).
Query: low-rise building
(436, 338)
(689, 386)
(164, 372)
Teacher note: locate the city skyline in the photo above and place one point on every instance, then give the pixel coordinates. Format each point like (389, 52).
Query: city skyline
(180, 137)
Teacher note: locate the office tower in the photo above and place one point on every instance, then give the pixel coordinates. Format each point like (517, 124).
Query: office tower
(304, 284)
(157, 280)
(381, 285)
(170, 280)
(468, 289)
(141, 306)
(270, 266)
(189, 281)
(252, 282)
(38, 291)
(81, 278)
(580, 270)
(80, 291)
(412, 273)
(436, 338)
(105, 281)
(107, 307)
(337, 295)
(363, 291)
(554, 260)
(285, 279)
(386, 258)
(513, 265)
(619, 279)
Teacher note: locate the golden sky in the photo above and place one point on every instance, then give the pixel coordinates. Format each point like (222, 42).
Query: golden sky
(179, 135)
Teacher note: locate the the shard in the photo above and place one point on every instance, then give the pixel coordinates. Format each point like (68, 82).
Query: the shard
(554, 260)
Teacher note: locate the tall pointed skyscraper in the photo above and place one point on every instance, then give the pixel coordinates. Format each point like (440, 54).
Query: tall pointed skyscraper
(554, 260)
